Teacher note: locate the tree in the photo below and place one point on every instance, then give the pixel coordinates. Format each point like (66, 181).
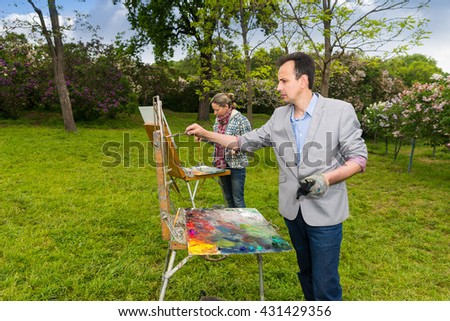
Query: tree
(286, 32)
(384, 119)
(422, 111)
(253, 15)
(56, 49)
(425, 112)
(264, 78)
(413, 68)
(228, 63)
(366, 26)
(362, 81)
(166, 24)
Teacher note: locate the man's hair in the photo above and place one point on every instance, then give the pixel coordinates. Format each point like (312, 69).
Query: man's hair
(304, 65)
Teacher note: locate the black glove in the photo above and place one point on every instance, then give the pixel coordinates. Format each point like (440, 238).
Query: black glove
(314, 185)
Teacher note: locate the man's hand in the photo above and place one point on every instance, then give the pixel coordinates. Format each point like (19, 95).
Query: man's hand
(227, 141)
(314, 186)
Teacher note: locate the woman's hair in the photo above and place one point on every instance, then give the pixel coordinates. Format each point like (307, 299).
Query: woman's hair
(224, 99)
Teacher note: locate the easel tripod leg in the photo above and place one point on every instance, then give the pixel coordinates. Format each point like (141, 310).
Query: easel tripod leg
(169, 251)
(191, 195)
(261, 280)
(166, 276)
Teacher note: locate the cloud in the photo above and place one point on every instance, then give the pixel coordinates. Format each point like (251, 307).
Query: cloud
(438, 45)
(24, 23)
(111, 18)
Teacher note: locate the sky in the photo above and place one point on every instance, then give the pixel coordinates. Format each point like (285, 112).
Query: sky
(112, 20)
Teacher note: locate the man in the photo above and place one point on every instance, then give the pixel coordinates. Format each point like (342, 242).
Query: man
(318, 145)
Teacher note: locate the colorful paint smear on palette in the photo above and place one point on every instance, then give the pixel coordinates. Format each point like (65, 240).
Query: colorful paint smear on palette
(231, 231)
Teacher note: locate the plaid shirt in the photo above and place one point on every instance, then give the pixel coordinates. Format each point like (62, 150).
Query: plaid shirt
(237, 125)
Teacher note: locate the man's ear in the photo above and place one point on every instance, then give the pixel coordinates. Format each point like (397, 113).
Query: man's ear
(304, 80)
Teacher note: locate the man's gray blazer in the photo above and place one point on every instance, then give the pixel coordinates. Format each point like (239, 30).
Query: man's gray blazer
(334, 136)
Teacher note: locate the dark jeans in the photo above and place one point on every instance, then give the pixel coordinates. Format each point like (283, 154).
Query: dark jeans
(233, 187)
(318, 249)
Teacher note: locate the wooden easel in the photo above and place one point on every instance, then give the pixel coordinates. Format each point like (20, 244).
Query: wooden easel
(173, 228)
(168, 165)
(170, 156)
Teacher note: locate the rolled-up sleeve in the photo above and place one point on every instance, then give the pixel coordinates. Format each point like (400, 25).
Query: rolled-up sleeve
(353, 146)
(361, 161)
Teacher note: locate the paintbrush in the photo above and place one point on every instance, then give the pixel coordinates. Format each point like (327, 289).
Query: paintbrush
(176, 217)
(176, 135)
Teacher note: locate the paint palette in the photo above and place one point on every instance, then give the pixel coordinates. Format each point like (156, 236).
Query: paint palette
(231, 231)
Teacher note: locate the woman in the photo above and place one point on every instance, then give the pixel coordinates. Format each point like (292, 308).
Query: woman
(231, 122)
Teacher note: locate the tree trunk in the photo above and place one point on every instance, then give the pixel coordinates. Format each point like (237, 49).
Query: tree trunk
(206, 77)
(203, 107)
(64, 96)
(325, 86)
(57, 52)
(58, 67)
(248, 66)
(398, 145)
(326, 68)
(413, 145)
(249, 93)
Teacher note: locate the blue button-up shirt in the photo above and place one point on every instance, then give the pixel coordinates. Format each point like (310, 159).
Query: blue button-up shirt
(300, 126)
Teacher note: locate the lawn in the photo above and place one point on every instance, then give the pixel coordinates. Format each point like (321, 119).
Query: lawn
(79, 220)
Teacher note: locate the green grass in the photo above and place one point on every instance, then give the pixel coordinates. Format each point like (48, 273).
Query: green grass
(72, 229)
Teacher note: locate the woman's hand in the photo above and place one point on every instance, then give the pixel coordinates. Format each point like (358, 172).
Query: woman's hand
(197, 130)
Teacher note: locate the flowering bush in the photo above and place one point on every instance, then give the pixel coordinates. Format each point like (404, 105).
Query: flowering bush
(96, 84)
(361, 82)
(382, 119)
(425, 110)
(19, 76)
(422, 111)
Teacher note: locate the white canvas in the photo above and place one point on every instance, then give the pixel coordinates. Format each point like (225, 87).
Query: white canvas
(147, 114)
